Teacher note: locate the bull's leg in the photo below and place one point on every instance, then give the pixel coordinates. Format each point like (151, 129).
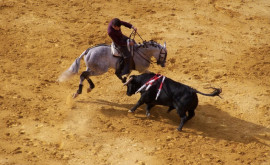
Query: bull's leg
(192, 107)
(148, 107)
(139, 103)
(183, 120)
(182, 114)
(191, 114)
(170, 109)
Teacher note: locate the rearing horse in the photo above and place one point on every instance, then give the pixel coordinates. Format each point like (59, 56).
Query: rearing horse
(99, 59)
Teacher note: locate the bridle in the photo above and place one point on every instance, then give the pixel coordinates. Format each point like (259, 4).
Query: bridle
(162, 55)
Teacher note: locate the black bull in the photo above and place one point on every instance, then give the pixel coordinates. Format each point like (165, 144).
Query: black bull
(173, 94)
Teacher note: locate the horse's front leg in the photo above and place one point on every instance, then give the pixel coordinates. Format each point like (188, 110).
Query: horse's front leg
(146, 71)
(118, 69)
(123, 79)
(118, 74)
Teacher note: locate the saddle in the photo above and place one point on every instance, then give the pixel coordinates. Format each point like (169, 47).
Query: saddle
(117, 53)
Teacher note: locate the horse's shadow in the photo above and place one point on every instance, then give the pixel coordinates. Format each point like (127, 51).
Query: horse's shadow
(209, 120)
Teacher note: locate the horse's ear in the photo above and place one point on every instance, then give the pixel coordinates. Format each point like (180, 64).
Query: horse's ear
(165, 44)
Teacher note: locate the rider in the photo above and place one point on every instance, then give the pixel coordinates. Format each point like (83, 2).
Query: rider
(120, 40)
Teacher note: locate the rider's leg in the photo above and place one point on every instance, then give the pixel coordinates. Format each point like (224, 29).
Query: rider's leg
(126, 55)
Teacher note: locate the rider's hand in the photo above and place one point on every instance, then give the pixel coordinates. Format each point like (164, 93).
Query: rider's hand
(131, 43)
(134, 28)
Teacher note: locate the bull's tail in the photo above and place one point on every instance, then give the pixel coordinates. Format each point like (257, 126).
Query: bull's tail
(72, 70)
(216, 92)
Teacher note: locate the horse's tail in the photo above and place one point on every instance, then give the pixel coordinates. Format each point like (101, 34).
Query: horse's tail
(72, 70)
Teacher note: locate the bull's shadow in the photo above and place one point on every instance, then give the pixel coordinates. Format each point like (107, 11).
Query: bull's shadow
(121, 111)
(209, 120)
(216, 123)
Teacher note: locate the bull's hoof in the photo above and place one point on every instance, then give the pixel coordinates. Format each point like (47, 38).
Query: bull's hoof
(89, 90)
(147, 114)
(130, 111)
(75, 95)
(179, 129)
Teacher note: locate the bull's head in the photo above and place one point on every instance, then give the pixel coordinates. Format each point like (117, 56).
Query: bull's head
(132, 85)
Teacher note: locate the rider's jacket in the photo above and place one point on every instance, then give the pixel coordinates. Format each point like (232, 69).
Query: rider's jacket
(117, 36)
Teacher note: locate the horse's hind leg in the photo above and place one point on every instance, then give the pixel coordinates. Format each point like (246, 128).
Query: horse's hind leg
(83, 76)
(91, 84)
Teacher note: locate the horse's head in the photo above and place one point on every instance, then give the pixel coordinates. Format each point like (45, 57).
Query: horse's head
(158, 51)
(162, 56)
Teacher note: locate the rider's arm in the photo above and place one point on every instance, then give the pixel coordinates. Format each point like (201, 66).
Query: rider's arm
(116, 39)
(128, 25)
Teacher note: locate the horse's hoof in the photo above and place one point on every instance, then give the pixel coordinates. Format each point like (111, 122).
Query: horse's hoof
(124, 80)
(75, 95)
(130, 111)
(179, 129)
(89, 90)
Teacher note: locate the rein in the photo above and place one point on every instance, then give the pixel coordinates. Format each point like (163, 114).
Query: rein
(162, 53)
(133, 33)
(143, 55)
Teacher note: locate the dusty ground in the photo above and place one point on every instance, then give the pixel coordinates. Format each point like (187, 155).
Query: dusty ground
(221, 43)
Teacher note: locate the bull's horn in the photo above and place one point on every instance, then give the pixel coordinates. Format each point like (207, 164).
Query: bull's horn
(128, 81)
(165, 44)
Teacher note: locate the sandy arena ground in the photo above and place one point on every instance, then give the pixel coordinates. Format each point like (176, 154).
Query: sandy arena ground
(219, 43)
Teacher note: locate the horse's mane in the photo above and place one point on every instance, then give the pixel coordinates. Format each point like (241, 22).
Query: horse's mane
(149, 43)
(144, 44)
(103, 44)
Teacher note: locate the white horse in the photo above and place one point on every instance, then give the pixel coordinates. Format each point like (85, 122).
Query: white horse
(99, 59)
